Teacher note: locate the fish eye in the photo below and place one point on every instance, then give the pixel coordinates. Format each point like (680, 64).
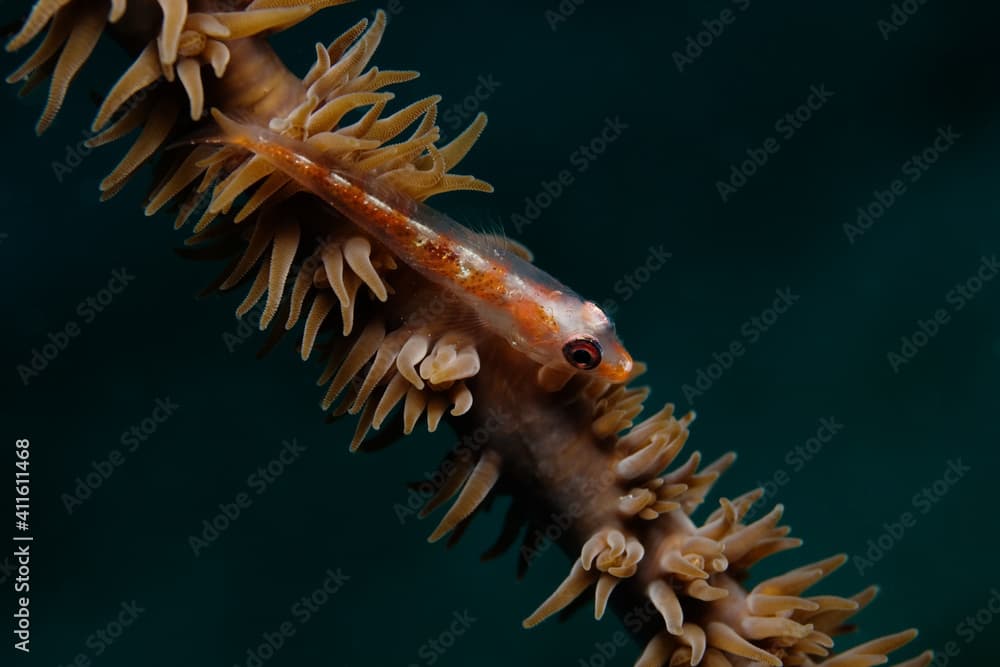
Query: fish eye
(583, 352)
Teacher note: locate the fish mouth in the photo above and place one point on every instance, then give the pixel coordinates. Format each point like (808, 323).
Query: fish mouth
(619, 372)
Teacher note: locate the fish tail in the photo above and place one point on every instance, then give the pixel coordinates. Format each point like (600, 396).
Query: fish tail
(235, 133)
(230, 131)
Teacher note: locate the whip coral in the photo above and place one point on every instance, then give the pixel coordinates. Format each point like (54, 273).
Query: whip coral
(399, 348)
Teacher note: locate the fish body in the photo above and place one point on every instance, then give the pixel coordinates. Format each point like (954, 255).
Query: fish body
(533, 311)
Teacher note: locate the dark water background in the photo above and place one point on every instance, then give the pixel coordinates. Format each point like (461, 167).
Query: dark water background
(654, 186)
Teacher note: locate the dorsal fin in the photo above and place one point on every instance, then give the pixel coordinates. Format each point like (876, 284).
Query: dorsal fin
(508, 245)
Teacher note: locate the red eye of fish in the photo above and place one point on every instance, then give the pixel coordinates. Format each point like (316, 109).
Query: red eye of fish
(583, 353)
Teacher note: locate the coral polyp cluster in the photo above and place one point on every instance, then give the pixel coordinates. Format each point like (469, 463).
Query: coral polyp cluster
(398, 348)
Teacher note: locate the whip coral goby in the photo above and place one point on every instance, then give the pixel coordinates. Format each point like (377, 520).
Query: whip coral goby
(531, 309)
(569, 446)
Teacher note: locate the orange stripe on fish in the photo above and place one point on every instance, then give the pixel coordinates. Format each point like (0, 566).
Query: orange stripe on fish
(537, 314)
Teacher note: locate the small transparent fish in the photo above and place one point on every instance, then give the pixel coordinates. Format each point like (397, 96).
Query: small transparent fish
(534, 312)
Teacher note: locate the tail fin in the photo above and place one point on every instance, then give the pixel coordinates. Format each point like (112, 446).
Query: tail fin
(230, 132)
(235, 133)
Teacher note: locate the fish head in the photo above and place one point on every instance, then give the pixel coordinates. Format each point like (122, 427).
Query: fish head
(585, 341)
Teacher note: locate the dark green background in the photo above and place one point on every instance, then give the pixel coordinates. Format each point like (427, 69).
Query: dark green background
(656, 185)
